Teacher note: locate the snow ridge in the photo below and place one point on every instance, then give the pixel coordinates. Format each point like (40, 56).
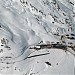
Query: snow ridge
(36, 36)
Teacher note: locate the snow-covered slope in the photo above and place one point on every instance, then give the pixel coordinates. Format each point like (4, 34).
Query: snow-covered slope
(37, 37)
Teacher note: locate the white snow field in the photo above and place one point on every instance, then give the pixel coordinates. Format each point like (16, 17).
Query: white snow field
(37, 37)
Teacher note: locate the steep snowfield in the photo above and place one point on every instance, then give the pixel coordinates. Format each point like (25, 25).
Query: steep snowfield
(37, 37)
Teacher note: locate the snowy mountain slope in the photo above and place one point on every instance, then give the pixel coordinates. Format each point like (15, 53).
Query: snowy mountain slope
(37, 37)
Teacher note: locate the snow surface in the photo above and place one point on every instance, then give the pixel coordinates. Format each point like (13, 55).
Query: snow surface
(26, 25)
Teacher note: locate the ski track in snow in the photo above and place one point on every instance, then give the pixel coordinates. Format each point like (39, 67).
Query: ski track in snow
(25, 25)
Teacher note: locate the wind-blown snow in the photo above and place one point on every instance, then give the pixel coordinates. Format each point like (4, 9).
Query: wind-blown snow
(37, 37)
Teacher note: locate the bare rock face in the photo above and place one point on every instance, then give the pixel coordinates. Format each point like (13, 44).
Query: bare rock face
(37, 37)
